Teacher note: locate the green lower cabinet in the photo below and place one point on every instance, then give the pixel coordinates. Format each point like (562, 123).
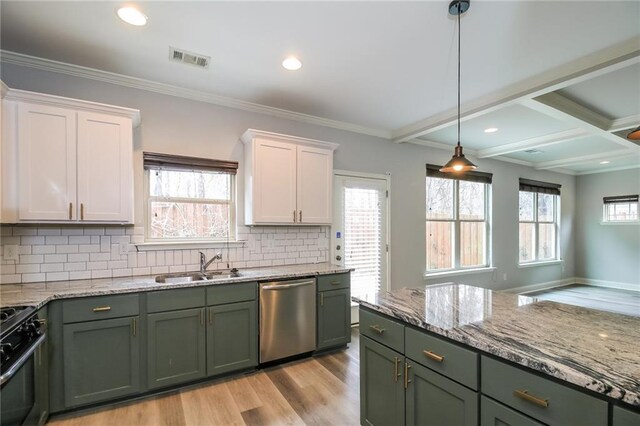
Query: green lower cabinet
(101, 360)
(493, 413)
(624, 417)
(334, 318)
(434, 400)
(382, 395)
(232, 337)
(176, 347)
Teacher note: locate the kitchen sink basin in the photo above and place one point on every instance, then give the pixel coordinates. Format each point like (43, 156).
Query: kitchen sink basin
(185, 277)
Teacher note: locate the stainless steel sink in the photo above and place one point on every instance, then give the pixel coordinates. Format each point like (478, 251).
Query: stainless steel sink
(182, 277)
(185, 277)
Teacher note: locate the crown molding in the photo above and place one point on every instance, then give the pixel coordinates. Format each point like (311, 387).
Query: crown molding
(608, 169)
(250, 134)
(181, 92)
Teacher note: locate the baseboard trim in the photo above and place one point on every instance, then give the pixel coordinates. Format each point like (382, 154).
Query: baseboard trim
(608, 284)
(541, 286)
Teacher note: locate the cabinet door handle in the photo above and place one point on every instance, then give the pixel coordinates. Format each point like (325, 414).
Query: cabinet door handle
(321, 299)
(81, 211)
(300, 216)
(524, 394)
(396, 374)
(433, 356)
(70, 211)
(377, 329)
(406, 375)
(294, 216)
(210, 317)
(134, 327)
(102, 309)
(202, 316)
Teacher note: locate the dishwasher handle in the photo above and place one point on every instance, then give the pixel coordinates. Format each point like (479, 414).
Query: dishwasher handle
(285, 286)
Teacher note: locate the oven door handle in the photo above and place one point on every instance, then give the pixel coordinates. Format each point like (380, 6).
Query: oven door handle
(20, 362)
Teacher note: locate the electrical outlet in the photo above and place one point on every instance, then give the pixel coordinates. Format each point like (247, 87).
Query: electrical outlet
(504, 277)
(124, 249)
(10, 252)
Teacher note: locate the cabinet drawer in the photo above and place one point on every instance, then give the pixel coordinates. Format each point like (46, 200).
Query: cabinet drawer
(334, 282)
(231, 293)
(564, 406)
(171, 300)
(100, 307)
(382, 329)
(624, 417)
(493, 414)
(439, 355)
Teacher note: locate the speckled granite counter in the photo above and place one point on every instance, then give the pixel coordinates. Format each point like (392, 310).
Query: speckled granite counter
(38, 294)
(596, 350)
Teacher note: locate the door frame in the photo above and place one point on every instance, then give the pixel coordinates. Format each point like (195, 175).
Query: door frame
(386, 177)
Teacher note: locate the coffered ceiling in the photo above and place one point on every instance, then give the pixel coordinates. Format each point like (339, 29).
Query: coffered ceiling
(559, 78)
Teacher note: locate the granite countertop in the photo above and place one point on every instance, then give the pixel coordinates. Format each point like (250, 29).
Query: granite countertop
(38, 294)
(592, 349)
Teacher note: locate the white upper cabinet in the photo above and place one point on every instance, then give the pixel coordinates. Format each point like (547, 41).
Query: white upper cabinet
(46, 163)
(70, 161)
(288, 180)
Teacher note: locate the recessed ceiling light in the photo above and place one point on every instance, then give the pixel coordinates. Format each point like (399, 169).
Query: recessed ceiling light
(292, 63)
(491, 130)
(605, 162)
(132, 16)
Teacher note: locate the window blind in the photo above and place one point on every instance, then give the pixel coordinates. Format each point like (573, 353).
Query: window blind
(621, 199)
(540, 187)
(363, 238)
(481, 177)
(153, 160)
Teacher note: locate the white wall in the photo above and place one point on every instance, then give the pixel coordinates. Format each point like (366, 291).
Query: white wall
(175, 125)
(606, 252)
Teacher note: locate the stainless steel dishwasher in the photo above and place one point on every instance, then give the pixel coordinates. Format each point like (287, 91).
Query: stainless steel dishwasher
(287, 318)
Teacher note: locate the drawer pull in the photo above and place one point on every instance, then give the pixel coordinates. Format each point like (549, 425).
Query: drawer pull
(396, 374)
(533, 399)
(433, 356)
(406, 375)
(102, 309)
(377, 329)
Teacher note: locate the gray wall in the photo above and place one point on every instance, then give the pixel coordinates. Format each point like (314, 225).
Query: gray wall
(606, 252)
(172, 124)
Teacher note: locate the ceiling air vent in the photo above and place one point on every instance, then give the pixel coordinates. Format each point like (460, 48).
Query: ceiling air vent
(533, 151)
(185, 57)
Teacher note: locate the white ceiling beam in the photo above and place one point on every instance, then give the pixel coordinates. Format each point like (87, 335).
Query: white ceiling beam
(624, 123)
(562, 108)
(533, 143)
(469, 152)
(594, 65)
(610, 155)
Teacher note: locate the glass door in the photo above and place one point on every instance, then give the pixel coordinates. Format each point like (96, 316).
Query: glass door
(360, 231)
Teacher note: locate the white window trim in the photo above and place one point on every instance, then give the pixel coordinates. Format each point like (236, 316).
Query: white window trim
(454, 272)
(605, 221)
(456, 224)
(536, 222)
(181, 243)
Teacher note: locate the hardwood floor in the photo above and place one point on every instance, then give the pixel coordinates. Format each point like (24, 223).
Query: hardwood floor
(605, 299)
(322, 390)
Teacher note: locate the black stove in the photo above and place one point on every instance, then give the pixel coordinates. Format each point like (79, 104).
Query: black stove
(19, 328)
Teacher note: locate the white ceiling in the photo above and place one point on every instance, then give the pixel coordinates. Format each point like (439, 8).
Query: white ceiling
(381, 65)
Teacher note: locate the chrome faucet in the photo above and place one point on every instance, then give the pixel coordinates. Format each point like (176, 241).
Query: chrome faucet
(203, 261)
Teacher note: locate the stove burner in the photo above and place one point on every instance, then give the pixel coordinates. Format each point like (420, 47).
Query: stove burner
(7, 313)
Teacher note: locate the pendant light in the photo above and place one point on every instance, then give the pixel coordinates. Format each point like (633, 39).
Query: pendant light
(458, 163)
(635, 134)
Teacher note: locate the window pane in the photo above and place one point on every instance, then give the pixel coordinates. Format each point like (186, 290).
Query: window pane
(189, 184)
(545, 207)
(526, 205)
(439, 198)
(472, 200)
(527, 242)
(439, 245)
(472, 243)
(633, 211)
(547, 241)
(189, 220)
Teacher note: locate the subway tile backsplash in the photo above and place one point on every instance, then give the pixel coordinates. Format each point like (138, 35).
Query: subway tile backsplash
(60, 253)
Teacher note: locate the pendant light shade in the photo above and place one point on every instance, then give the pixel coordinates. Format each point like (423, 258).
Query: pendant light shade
(635, 134)
(458, 163)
